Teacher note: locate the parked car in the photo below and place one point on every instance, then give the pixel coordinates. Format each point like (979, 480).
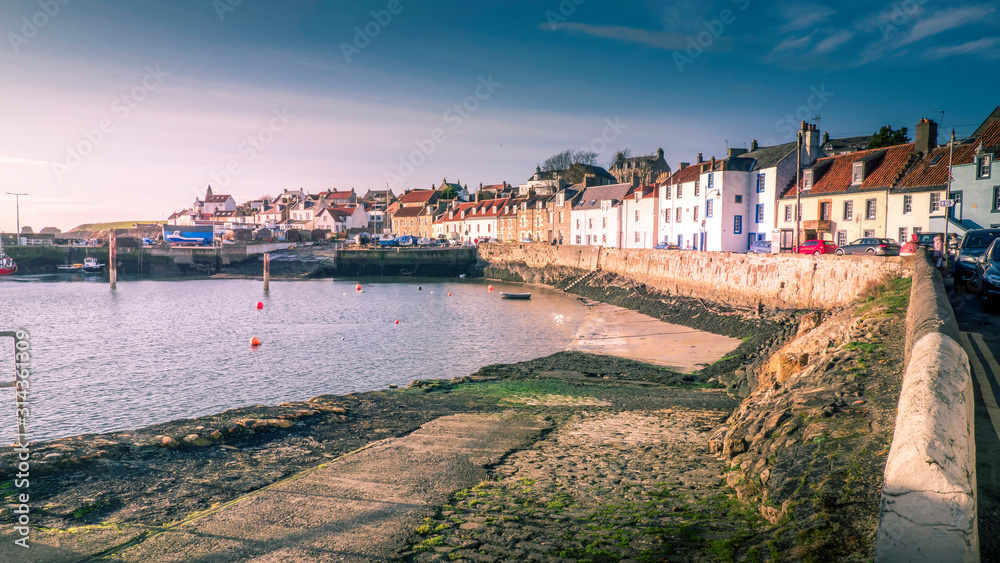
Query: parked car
(455, 242)
(666, 246)
(815, 247)
(989, 277)
(423, 242)
(760, 247)
(927, 239)
(877, 246)
(975, 242)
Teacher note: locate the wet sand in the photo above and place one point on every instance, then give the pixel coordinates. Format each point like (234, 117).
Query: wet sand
(614, 331)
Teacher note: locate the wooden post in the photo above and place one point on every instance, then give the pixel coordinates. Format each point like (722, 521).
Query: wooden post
(267, 271)
(113, 259)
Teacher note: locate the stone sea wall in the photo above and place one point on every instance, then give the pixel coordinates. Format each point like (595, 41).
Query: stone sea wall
(749, 280)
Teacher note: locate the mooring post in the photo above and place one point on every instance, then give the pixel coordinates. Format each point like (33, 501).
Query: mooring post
(267, 271)
(113, 259)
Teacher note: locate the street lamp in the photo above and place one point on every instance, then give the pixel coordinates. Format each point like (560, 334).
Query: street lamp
(17, 199)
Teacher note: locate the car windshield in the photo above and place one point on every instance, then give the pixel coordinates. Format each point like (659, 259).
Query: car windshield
(996, 253)
(979, 240)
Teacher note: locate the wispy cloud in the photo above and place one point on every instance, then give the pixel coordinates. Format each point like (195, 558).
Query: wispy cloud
(802, 16)
(792, 45)
(667, 40)
(945, 20)
(978, 46)
(833, 41)
(24, 161)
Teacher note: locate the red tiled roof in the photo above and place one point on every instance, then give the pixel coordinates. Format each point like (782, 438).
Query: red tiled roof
(991, 136)
(408, 212)
(417, 196)
(923, 174)
(838, 170)
(338, 195)
(688, 174)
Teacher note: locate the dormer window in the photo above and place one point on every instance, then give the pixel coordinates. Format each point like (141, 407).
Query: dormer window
(858, 173)
(984, 166)
(807, 180)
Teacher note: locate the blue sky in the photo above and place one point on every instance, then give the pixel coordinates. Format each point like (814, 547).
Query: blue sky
(127, 110)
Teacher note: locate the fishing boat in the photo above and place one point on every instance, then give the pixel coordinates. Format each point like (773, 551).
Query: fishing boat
(7, 264)
(515, 295)
(89, 265)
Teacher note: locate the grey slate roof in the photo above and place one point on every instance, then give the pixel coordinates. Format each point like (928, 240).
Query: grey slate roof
(768, 157)
(594, 195)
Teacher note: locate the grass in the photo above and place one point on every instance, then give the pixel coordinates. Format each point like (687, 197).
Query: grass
(889, 295)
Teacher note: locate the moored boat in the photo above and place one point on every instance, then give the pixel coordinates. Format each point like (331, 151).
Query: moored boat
(89, 265)
(515, 295)
(7, 264)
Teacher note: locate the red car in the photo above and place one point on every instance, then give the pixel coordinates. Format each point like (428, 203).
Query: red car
(816, 247)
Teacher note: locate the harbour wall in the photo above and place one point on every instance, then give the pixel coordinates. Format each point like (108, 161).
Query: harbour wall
(750, 280)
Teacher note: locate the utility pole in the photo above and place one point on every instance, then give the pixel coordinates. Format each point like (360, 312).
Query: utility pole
(17, 199)
(947, 196)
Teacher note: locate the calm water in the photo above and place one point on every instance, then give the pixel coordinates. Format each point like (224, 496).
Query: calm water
(154, 351)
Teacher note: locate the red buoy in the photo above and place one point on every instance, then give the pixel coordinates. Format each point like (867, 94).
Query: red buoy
(449, 294)
(260, 305)
(491, 288)
(358, 288)
(397, 321)
(255, 342)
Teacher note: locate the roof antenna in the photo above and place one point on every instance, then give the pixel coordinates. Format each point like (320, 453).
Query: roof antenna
(941, 123)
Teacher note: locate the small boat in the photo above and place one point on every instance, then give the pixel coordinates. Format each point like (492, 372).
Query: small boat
(7, 264)
(89, 265)
(515, 295)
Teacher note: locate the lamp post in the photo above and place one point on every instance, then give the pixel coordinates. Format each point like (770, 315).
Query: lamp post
(17, 199)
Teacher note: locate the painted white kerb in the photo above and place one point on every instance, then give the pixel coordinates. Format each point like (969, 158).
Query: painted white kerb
(929, 496)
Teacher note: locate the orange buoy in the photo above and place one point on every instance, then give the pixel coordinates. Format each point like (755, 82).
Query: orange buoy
(260, 305)
(449, 294)
(397, 321)
(255, 342)
(491, 288)
(358, 288)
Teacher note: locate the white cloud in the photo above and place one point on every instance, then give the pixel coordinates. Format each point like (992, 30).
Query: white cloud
(792, 45)
(948, 19)
(963, 49)
(802, 16)
(832, 42)
(659, 39)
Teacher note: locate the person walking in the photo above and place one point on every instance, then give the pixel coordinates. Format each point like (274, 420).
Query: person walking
(938, 251)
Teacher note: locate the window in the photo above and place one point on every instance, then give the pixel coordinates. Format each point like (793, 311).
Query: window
(824, 211)
(560, 216)
(680, 190)
(935, 202)
(739, 198)
(858, 173)
(604, 239)
(996, 198)
(869, 234)
(666, 216)
(709, 208)
(807, 180)
(578, 226)
(907, 204)
(956, 208)
(788, 213)
(760, 213)
(760, 182)
(590, 223)
(668, 192)
(679, 211)
(917, 230)
(604, 222)
(738, 225)
(841, 238)
(637, 217)
(984, 166)
(711, 181)
(869, 209)
(578, 239)
(637, 236)
(848, 211)
(695, 217)
(680, 240)
(902, 235)
(697, 186)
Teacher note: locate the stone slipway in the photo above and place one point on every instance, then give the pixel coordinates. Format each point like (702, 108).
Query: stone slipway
(615, 331)
(360, 507)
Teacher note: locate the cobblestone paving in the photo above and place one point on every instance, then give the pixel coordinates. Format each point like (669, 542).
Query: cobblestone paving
(603, 486)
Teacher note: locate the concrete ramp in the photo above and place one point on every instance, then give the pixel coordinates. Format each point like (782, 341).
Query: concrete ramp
(360, 507)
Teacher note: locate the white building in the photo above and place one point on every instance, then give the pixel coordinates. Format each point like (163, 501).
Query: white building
(640, 211)
(597, 216)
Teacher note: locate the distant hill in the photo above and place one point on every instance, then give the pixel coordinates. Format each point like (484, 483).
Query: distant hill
(114, 225)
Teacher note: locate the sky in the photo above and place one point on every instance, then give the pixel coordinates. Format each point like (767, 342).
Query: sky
(123, 110)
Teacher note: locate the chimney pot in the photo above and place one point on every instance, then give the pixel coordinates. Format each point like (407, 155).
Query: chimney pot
(753, 144)
(925, 138)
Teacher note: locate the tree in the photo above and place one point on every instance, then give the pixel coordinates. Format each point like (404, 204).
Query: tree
(886, 137)
(567, 158)
(449, 192)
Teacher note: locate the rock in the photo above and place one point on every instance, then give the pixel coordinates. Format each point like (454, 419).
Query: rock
(472, 526)
(197, 441)
(280, 422)
(165, 442)
(772, 515)
(52, 456)
(215, 435)
(734, 444)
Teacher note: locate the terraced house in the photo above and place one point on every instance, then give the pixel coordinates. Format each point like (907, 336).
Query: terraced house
(597, 216)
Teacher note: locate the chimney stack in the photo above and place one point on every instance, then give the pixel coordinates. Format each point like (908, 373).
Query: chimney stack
(682, 165)
(826, 137)
(810, 144)
(926, 136)
(753, 144)
(700, 158)
(659, 153)
(589, 180)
